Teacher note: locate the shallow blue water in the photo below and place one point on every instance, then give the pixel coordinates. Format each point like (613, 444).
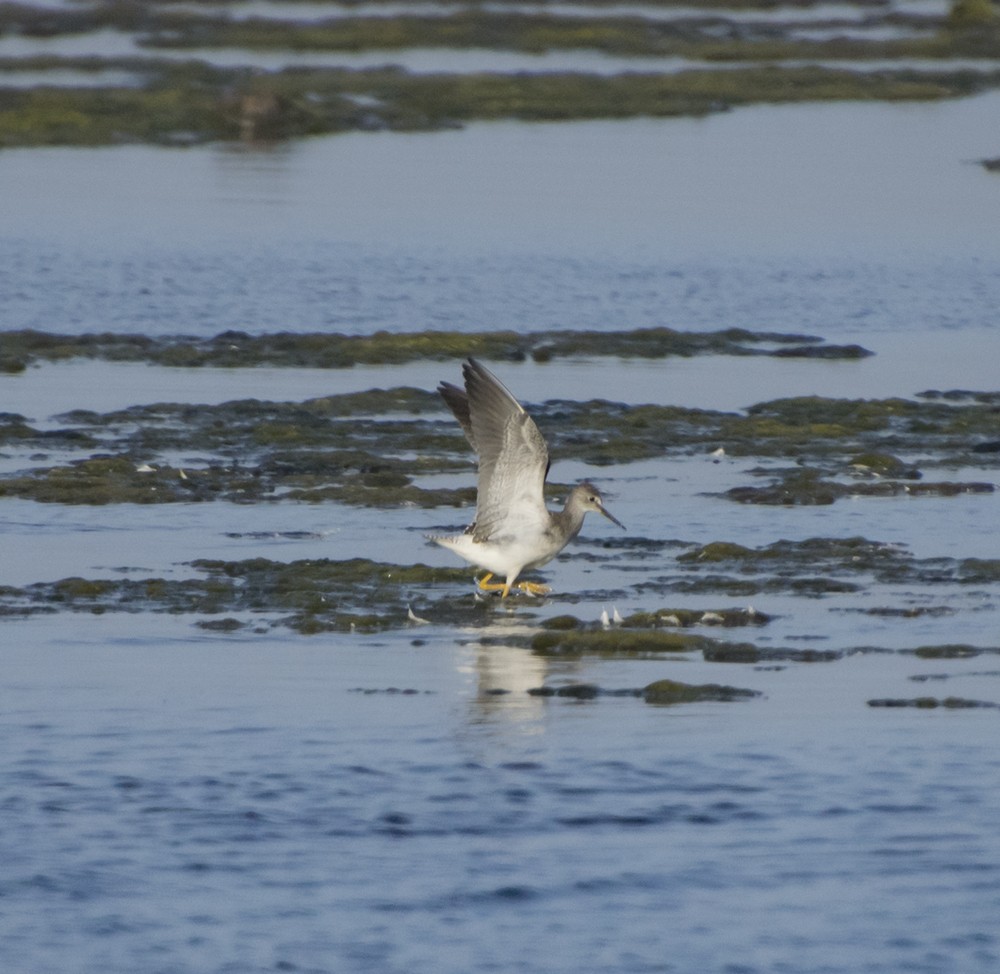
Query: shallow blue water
(177, 805)
(175, 801)
(354, 288)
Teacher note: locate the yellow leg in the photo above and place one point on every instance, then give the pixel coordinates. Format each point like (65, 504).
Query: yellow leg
(486, 586)
(532, 588)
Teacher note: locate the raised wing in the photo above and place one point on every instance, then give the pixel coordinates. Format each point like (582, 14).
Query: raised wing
(513, 458)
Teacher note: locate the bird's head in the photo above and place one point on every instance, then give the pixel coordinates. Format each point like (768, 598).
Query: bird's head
(586, 497)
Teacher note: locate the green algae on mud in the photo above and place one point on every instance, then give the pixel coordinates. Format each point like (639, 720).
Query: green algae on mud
(818, 568)
(646, 634)
(654, 635)
(639, 644)
(330, 448)
(787, 565)
(372, 448)
(100, 480)
(968, 24)
(236, 349)
(845, 448)
(842, 438)
(313, 596)
(884, 465)
(808, 487)
(307, 596)
(537, 32)
(174, 112)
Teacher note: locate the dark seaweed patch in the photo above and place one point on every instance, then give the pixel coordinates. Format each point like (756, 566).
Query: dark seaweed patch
(951, 651)
(933, 703)
(661, 692)
(669, 692)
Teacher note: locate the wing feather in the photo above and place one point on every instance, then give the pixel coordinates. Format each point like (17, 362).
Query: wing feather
(513, 457)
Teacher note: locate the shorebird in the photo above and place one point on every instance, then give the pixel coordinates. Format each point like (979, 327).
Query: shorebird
(513, 529)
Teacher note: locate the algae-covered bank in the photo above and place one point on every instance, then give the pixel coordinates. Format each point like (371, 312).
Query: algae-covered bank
(233, 349)
(184, 76)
